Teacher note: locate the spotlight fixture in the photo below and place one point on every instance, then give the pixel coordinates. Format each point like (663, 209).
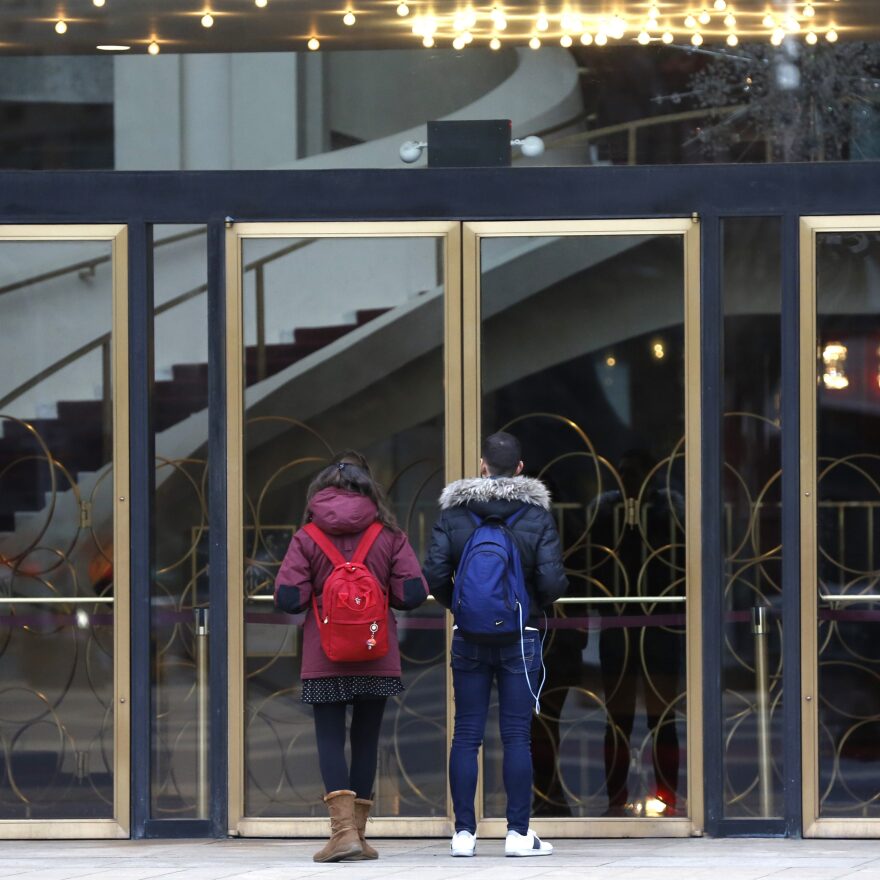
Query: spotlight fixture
(601, 38)
(811, 38)
(720, 5)
(494, 44)
(403, 10)
(667, 37)
(261, 3)
(153, 48)
(100, 3)
(565, 41)
(644, 38)
(207, 20)
(690, 22)
(314, 44)
(349, 18)
(831, 36)
(428, 41)
(697, 39)
(586, 38)
(542, 24)
(61, 26)
(705, 18)
(730, 20)
(534, 43)
(732, 40)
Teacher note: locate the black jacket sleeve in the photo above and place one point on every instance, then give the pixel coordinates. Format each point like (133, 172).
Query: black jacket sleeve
(550, 578)
(439, 565)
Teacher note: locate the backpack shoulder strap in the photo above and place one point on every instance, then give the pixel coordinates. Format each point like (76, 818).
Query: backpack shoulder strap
(324, 543)
(516, 516)
(366, 542)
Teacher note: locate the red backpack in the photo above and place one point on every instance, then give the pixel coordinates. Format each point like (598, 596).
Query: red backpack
(354, 625)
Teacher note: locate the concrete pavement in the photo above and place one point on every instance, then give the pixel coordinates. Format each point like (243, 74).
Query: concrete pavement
(704, 859)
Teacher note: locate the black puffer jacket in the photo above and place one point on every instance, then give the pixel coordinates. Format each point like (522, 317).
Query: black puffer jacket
(535, 533)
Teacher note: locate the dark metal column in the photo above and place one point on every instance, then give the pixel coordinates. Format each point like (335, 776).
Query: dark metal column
(142, 476)
(791, 534)
(217, 490)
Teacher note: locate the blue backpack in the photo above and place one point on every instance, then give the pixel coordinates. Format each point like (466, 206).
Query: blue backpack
(489, 596)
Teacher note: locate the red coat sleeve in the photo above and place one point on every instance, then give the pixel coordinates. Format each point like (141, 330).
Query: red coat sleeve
(293, 583)
(408, 588)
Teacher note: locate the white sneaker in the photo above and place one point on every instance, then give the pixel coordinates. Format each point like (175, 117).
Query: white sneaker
(528, 844)
(463, 844)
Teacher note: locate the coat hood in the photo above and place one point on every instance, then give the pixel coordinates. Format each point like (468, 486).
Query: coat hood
(340, 512)
(521, 490)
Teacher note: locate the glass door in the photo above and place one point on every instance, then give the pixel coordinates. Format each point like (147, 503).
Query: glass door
(64, 532)
(840, 521)
(341, 335)
(582, 338)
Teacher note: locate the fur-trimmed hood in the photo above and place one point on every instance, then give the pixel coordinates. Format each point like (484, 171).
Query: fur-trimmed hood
(525, 490)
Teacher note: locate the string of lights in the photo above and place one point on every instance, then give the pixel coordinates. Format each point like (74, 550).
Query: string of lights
(497, 25)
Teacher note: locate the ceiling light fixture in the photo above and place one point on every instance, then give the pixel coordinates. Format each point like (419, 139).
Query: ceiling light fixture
(61, 26)
(153, 48)
(110, 47)
(732, 40)
(261, 4)
(349, 19)
(534, 43)
(427, 41)
(314, 44)
(667, 37)
(403, 10)
(565, 41)
(207, 20)
(494, 44)
(811, 38)
(99, 3)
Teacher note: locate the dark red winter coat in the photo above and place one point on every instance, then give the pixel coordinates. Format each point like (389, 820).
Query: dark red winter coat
(345, 516)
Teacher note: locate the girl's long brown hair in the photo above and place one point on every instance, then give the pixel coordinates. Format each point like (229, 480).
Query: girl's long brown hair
(349, 470)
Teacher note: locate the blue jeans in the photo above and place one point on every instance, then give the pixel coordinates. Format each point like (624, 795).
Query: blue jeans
(473, 668)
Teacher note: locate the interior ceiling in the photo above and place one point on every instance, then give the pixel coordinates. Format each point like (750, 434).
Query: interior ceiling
(29, 26)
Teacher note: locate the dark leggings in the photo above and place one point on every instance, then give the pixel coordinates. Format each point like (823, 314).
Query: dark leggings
(366, 722)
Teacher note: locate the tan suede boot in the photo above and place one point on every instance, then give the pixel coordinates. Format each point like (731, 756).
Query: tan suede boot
(361, 814)
(344, 843)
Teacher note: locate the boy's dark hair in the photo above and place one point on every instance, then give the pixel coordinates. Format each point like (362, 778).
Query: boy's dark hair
(502, 453)
(349, 470)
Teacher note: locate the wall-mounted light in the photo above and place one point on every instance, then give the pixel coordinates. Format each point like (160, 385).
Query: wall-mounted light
(834, 362)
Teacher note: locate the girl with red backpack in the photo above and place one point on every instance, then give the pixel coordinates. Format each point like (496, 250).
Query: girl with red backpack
(348, 567)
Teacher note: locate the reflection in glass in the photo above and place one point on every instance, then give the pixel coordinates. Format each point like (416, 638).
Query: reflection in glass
(343, 348)
(179, 783)
(583, 359)
(848, 337)
(752, 649)
(56, 531)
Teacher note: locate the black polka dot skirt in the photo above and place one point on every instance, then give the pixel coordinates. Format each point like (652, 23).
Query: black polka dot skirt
(344, 688)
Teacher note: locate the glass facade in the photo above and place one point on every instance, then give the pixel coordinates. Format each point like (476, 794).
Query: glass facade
(343, 348)
(58, 582)
(752, 536)
(596, 395)
(848, 395)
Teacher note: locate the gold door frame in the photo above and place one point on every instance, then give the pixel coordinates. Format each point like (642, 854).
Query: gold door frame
(813, 825)
(689, 230)
(117, 827)
(450, 232)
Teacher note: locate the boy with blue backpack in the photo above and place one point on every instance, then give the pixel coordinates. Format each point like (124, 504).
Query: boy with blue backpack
(495, 561)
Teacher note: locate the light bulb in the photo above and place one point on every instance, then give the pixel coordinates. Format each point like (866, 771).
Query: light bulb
(542, 24)
(314, 44)
(652, 24)
(349, 19)
(667, 37)
(403, 10)
(618, 28)
(769, 21)
(720, 5)
(831, 36)
(653, 12)
(153, 48)
(705, 18)
(690, 22)
(534, 43)
(809, 11)
(730, 20)
(468, 38)
(601, 38)
(498, 19)
(261, 4)
(697, 39)
(777, 37)
(470, 18)
(565, 41)
(732, 40)
(792, 24)
(61, 26)
(586, 39)
(494, 44)
(100, 3)
(427, 41)
(458, 43)
(207, 20)
(532, 146)
(644, 38)
(811, 38)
